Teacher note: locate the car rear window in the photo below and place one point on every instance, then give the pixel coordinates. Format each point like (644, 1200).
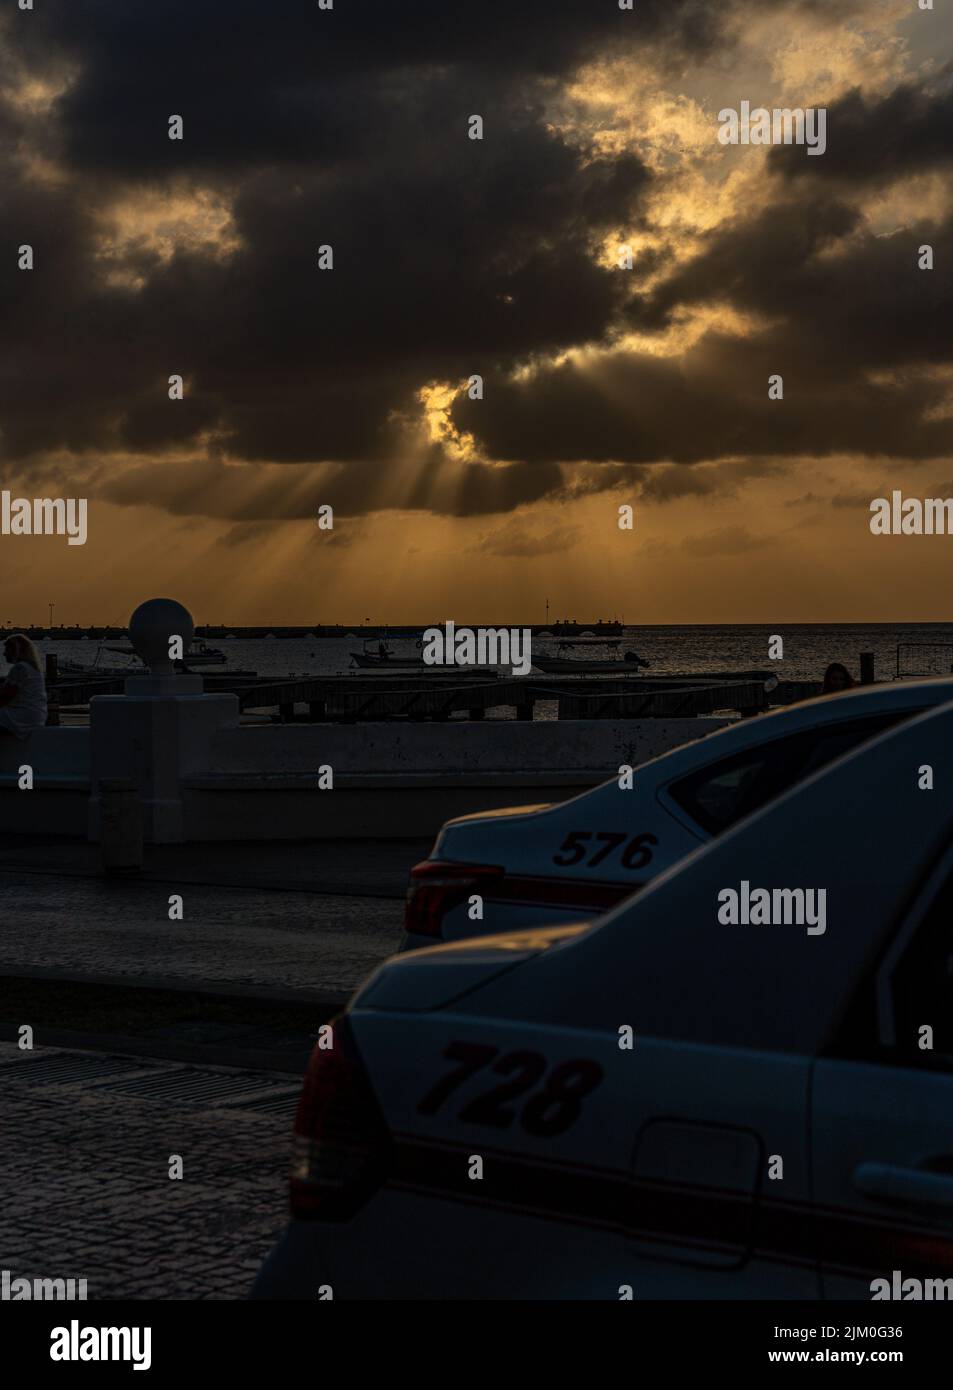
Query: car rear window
(716, 799)
(727, 791)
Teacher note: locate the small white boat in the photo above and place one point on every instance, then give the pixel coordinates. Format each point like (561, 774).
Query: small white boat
(199, 654)
(384, 660)
(97, 668)
(627, 664)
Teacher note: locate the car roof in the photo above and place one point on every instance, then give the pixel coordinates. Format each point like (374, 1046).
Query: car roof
(860, 828)
(820, 711)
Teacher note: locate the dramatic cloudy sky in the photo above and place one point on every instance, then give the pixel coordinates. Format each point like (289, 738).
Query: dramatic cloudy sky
(603, 385)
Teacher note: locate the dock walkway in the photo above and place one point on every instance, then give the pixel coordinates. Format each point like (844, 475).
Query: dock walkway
(440, 695)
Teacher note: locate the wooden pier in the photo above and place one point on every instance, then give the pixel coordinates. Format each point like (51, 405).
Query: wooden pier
(440, 695)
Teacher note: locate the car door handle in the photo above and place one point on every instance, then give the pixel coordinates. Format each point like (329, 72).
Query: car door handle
(904, 1187)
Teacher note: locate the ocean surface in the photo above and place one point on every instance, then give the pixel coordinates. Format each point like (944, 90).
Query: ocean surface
(925, 648)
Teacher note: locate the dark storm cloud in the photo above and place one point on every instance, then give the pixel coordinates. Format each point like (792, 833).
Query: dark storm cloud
(498, 489)
(848, 296)
(712, 403)
(516, 539)
(438, 270)
(271, 81)
(584, 482)
(756, 262)
(849, 299)
(841, 301)
(668, 484)
(348, 127)
(249, 493)
(852, 322)
(874, 141)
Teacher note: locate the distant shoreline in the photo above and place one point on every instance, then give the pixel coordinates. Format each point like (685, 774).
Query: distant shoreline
(395, 631)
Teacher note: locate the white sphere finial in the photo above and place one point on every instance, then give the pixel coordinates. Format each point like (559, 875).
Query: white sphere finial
(151, 627)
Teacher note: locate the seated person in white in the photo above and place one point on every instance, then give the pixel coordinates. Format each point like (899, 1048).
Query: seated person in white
(23, 692)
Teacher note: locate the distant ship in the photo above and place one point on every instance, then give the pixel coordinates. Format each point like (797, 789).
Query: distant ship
(596, 629)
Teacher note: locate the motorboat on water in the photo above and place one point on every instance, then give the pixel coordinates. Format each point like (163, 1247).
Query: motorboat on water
(626, 663)
(97, 667)
(377, 656)
(199, 654)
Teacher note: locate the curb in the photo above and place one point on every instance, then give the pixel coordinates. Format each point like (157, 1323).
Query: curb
(291, 1064)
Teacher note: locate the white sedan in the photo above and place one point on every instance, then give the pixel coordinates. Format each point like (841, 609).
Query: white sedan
(670, 1102)
(526, 866)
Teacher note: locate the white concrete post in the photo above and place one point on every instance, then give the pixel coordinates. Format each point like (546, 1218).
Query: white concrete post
(120, 823)
(160, 732)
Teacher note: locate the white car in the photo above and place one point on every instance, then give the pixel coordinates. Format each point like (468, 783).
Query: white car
(521, 867)
(481, 1128)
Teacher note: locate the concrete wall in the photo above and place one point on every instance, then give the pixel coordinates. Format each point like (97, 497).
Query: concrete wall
(260, 783)
(359, 807)
(57, 804)
(408, 779)
(598, 745)
(51, 753)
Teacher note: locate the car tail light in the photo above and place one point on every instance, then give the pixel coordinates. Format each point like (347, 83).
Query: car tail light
(436, 887)
(341, 1141)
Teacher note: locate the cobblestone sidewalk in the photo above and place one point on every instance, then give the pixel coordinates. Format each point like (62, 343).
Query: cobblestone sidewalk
(87, 1192)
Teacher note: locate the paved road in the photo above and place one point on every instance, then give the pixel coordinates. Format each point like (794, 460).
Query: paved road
(270, 937)
(228, 936)
(84, 1173)
(84, 1161)
(375, 868)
